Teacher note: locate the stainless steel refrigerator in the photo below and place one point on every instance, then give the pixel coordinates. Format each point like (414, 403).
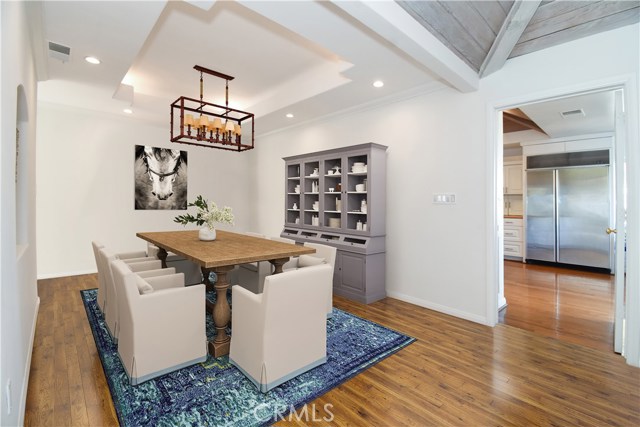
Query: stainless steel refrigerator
(567, 214)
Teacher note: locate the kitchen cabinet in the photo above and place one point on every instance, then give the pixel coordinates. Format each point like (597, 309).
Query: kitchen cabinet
(512, 173)
(338, 197)
(513, 234)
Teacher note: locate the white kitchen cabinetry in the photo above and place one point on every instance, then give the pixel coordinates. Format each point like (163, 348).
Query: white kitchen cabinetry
(513, 233)
(512, 178)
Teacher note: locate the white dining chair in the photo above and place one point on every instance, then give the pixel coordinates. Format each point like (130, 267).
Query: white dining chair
(282, 332)
(130, 257)
(251, 275)
(141, 265)
(324, 254)
(162, 323)
(192, 271)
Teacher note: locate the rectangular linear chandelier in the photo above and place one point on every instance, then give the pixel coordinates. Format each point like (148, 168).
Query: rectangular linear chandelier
(205, 124)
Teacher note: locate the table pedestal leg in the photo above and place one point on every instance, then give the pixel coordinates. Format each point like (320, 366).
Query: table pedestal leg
(162, 256)
(277, 264)
(221, 313)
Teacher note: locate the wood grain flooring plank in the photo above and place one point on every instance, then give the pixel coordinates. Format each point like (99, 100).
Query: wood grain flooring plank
(457, 373)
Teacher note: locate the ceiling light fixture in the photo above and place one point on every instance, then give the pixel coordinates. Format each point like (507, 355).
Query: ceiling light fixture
(289, 116)
(128, 110)
(378, 83)
(210, 125)
(92, 60)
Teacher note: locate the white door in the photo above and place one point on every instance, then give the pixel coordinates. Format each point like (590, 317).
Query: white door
(619, 226)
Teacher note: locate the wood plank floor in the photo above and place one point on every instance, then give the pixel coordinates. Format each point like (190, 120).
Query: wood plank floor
(567, 304)
(458, 373)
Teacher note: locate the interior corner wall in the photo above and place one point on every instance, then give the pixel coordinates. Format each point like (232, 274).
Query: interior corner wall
(86, 186)
(436, 254)
(18, 289)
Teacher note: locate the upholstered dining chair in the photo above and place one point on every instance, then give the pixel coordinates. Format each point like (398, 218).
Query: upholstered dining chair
(130, 257)
(324, 254)
(282, 332)
(251, 275)
(162, 323)
(191, 270)
(140, 265)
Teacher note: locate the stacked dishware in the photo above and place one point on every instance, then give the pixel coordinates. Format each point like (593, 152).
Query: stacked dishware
(358, 167)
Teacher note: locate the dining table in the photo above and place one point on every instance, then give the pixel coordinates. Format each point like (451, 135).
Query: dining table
(220, 256)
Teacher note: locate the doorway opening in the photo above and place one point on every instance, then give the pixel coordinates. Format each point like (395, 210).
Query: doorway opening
(544, 109)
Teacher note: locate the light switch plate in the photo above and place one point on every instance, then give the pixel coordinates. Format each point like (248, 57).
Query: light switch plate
(444, 199)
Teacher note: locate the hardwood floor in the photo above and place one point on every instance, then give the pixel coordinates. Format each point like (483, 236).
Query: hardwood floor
(458, 373)
(570, 305)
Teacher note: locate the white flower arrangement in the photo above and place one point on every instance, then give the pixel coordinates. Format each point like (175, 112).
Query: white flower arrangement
(208, 213)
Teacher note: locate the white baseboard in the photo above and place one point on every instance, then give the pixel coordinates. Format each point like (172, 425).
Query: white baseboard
(27, 369)
(64, 274)
(439, 308)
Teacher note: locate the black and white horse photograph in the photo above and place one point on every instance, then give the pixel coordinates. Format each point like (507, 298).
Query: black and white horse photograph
(160, 178)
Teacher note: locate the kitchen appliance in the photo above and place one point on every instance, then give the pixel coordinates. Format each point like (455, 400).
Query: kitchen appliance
(568, 208)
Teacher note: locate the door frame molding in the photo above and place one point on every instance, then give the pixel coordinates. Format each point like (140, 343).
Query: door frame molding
(494, 222)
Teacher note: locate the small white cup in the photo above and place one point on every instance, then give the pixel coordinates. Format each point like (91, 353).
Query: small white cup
(331, 190)
(360, 188)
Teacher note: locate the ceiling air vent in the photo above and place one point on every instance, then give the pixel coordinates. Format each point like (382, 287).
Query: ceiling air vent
(59, 51)
(572, 113)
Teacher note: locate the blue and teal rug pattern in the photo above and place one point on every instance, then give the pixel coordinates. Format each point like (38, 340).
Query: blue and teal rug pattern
(215, 393)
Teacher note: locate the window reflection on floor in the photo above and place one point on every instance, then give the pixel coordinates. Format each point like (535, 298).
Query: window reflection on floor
(567, 304)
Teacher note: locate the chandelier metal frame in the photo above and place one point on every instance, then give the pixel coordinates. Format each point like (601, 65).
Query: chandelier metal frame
(224, 132)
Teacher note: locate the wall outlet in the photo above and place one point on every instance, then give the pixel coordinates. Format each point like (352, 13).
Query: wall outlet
(8, 397)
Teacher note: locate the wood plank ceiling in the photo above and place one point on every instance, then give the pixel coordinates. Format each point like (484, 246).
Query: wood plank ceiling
(473, 29)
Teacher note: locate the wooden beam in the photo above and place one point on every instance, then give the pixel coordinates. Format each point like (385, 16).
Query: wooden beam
(397, 26)
(521, 122)
(514, 25)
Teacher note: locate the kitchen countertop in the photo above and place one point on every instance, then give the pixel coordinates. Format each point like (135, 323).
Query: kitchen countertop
(513, 216)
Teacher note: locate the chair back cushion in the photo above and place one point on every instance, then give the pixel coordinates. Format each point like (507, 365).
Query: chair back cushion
(310, 261)
(294, 295)
(324, 251)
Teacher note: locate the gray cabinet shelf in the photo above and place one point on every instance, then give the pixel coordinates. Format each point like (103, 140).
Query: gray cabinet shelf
(340, 201)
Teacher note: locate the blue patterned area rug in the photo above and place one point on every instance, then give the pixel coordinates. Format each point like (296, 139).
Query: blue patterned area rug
(215, 393)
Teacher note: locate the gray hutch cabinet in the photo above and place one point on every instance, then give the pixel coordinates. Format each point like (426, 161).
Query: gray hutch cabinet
(338, 197)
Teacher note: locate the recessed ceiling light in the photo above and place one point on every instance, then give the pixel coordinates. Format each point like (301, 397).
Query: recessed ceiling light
(289, 116)
(128, 110)
(92, 60)
(378, 83)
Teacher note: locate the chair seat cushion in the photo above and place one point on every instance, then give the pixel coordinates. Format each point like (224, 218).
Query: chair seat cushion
(309, 261)
(143, 286)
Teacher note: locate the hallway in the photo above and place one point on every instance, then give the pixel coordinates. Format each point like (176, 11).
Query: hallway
(566, 304)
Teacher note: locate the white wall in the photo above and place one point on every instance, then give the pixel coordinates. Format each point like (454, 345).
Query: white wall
(436, 255)
(86, 186)
(18, 291)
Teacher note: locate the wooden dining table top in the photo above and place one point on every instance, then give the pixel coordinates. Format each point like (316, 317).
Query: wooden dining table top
(228, 249)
